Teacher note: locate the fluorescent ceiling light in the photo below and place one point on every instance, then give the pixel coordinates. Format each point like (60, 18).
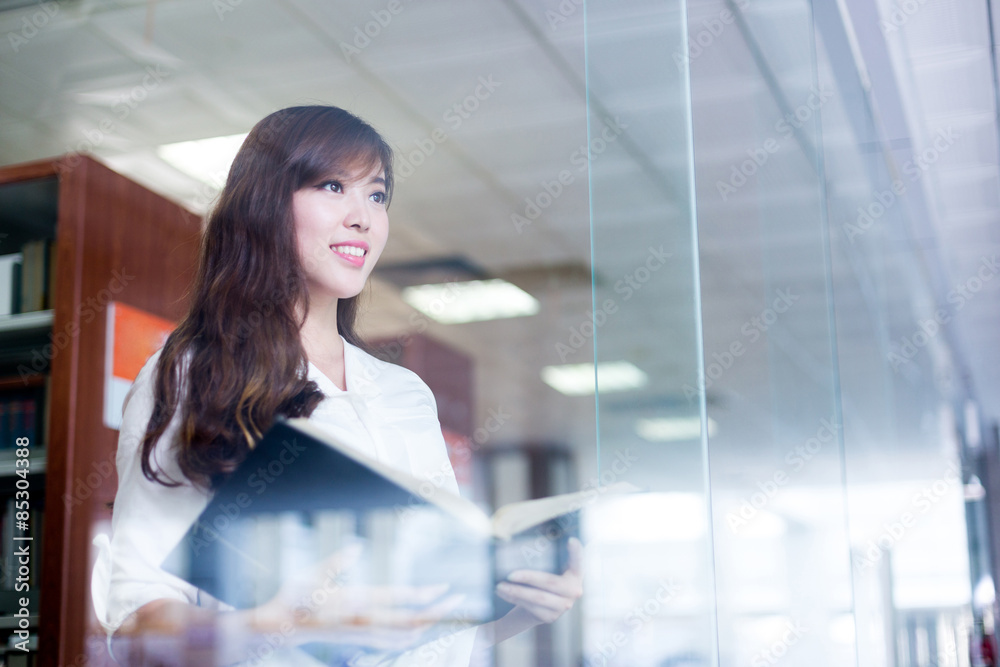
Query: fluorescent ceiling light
(974, 490)
(578, 379)
(842, 629)
(646, 518)
(473, 301)
(984, 594)
(669, 429)
(764, 524)
(207, 160)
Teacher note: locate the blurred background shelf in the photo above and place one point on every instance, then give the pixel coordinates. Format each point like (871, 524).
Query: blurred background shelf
(80, 218)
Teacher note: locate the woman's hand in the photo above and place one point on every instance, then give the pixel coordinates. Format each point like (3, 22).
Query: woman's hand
(323, 606)
(539, 597)
(320, 606)
(543, 595)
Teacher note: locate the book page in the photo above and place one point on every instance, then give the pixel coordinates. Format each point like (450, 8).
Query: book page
(464, 510)
(514, 518)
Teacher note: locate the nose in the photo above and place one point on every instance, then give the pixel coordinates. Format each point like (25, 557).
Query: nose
(357, 215)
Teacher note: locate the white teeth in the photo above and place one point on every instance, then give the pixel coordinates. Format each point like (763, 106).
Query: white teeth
(354, 251)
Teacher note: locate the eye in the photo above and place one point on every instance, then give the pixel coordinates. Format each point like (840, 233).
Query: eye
(378, 197)
(332, 186)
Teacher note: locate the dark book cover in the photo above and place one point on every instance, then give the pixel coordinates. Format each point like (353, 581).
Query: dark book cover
(297, 499)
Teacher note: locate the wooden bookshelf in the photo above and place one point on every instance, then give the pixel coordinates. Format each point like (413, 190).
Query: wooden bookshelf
(106, 228)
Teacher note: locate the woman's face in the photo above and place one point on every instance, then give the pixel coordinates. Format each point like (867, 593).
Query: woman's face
(341, 226)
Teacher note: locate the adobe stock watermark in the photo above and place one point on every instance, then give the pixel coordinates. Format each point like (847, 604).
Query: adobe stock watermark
(123, 107)
(364, 34)
(712, 29)
(432, 652)
(496, 419)
(752, 330)
(630, 283)
(454, 116)
(907, 348)
(900, 13)
(304, 610)
(32, 25)
(947, 655)
(795, 460)
(245, 326)
(921, 503)
(594, 488)
(779, 648)
(223, 7)
(551, 190)
(207, 191)
(83, 488)
(636, 619)
(207, 532)
(392, 350)
(563, 11)
(419, 322)
(759, 156)
(86, 312)
(914, 168)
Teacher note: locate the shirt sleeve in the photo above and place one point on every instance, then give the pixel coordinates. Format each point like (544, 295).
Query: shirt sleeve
(438, 469)
(149, 519)
(410, 417)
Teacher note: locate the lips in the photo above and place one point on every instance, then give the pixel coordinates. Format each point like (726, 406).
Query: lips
(352, 252)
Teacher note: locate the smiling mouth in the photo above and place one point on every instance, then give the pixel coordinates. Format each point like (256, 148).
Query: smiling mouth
(349, 250)
(352, 254)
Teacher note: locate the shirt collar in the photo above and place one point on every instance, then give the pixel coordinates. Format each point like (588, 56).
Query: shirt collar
(361, 371)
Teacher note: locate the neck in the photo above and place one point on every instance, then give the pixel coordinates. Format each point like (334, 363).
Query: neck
(320, 337)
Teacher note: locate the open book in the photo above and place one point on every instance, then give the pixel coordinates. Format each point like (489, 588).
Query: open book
(300, 495)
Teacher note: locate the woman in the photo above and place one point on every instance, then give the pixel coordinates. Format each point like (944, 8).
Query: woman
(298, 228)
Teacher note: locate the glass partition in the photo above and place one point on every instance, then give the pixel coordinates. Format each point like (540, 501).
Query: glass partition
(657, 252)
(588, 208)
(904, 397)
(836, 475)
(650, 593)
(782, 561)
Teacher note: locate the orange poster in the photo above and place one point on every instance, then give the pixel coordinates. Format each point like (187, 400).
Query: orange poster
(132, 336)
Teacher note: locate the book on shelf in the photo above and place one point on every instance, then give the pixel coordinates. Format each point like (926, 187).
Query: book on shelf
(302, 495)
(50, 274)
(20, 659)
(22, 415)
(46, 415)
(32, 276)
(7, 531)
(10, 296)
(37, 271)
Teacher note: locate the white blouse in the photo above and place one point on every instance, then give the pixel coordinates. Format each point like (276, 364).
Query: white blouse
(387, 412)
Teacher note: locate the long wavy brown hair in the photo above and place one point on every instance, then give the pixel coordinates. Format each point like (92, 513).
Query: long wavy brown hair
(237, 353)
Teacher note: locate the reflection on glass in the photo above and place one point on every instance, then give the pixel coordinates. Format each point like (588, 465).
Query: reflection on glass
(650, 595)
(657, 243)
